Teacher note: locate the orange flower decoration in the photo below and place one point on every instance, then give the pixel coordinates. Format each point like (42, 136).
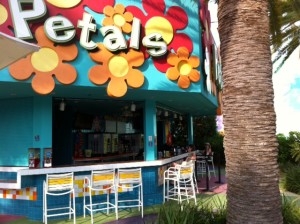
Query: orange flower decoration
(184, 68)
(45, 63)
(118, 17)
(118, 68)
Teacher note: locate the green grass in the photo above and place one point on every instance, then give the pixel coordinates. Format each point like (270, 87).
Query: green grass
(103, 218)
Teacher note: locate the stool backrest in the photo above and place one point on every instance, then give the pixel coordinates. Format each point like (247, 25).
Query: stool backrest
(60, 182)
(186, 171)
(103, 177)
(130, 176)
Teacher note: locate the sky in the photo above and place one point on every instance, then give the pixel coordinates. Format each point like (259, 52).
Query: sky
(286, 84)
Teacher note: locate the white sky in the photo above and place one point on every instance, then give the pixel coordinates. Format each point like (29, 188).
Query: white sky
(286, 84)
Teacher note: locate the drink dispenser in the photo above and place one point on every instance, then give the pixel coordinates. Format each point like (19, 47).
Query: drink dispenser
(47, 157)
(34, 157)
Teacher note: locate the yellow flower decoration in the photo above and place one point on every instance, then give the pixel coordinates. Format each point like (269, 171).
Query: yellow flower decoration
(118, 68)
(118, 17)
(47, 62)
(184, 68)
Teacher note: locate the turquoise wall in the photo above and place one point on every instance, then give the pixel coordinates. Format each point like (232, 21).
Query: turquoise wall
(24, 123)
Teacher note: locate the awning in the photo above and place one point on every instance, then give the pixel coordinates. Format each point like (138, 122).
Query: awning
(13, 49)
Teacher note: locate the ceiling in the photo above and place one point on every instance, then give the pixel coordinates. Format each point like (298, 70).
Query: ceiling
(96, 98)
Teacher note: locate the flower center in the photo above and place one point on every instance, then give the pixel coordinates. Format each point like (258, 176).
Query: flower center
(160, 25)
(118, 66)
(64, 4)
(184, 68)
(47, 55)
(119, 20)
(3, 14)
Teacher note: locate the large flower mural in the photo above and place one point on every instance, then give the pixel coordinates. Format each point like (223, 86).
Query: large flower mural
(167, 24)
(184, 69)
(118, 17)
(117, 69)
(46, 63)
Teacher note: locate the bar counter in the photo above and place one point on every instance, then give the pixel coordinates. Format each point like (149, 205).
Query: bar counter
(23, 186)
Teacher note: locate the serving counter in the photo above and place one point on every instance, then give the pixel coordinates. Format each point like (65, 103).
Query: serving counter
(25, 186)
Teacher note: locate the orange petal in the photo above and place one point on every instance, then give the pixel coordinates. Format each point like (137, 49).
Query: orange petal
(183, 52)
(184, 82)
(65, 73)
(119, 8)
(108, 10)
(194, 76)
(194, 61)
(43, 84)
(126, 28)
(172, 73)
(135, 78)
(42, 38)
(99, 74)
(117, 87)
(102, 55)
(22, 69)
(134, 58)
(128, 16)
(172, 59)
(108, 21)
(67, 53)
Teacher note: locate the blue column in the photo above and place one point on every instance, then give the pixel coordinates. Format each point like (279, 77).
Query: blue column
(150, 133)
(190, 129)
(42, 124)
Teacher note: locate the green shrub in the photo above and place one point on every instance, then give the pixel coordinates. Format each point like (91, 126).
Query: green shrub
(207, 212)
(292, 178)
(290, 210)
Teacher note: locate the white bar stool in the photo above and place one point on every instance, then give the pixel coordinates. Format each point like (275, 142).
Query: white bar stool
(102, 181)
(130, 179)
(58, 185)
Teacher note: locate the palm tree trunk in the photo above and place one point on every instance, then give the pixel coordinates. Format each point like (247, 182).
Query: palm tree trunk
(249, 119)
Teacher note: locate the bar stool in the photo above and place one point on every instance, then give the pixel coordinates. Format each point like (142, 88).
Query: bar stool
(58, 185)
(101, 181)
(130, 179)
(181, 177)
(210, 161)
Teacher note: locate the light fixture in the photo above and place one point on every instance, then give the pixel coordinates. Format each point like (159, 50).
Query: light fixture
(180, 117)
(132, 107)
(166, 113)
(175, 115)
(62, 105)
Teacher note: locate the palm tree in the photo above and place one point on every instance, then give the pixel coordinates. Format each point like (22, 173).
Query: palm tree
(249, 118)
(285, 28)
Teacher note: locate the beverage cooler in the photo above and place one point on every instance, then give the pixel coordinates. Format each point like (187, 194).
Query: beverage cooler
(34, 157)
